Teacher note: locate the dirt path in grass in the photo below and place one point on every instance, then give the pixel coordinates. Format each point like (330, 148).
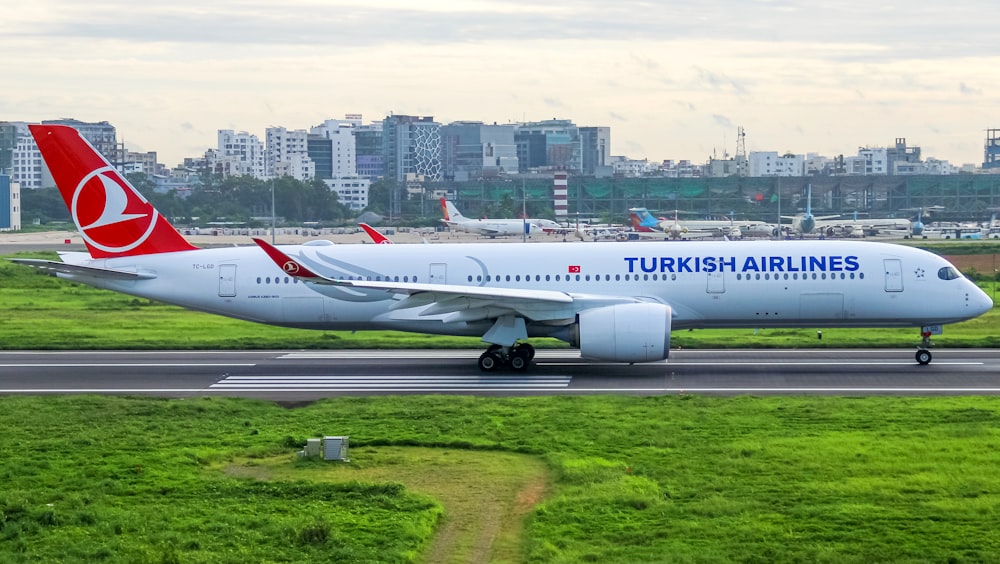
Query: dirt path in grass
(487, 496)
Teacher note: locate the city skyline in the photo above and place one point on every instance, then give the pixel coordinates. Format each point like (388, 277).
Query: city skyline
(672, 82)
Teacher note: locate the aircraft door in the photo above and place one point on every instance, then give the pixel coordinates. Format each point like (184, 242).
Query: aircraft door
(716, 283)
(893, 275)
(439, 273)
(227, 280)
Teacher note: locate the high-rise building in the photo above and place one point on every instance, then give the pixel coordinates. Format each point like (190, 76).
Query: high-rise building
(471, 150)
(991, 158)
(239, 154)
(282, 147)
(333, 142)
(8, 142)
(595, 150)
(27, 168)
(411, 144)
(549, 145)
(368, 159)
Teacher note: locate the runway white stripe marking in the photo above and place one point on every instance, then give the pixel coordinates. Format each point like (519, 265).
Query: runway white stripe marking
(392, 382)
(121, 364)
(526, 390)
(772, 363)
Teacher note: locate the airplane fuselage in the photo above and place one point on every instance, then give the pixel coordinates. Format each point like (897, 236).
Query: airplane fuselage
(706, 284)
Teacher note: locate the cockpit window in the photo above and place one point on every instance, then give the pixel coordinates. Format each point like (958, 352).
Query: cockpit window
(948, 273)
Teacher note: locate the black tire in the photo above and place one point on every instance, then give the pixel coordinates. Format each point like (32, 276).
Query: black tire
(488, 362)
(520, 360)
(923, 356)
(528, 349)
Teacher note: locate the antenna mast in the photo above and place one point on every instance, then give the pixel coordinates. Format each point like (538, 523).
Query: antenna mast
(741, 152)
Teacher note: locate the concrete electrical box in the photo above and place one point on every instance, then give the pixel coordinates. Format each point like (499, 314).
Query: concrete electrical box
(335, 448)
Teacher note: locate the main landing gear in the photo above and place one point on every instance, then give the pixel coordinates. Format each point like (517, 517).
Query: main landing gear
(923, 355)
(518, 357)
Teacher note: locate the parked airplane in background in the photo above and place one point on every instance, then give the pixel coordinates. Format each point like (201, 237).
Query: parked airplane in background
(837, 226)
(493, 227)
(616, 302)
(648, 225)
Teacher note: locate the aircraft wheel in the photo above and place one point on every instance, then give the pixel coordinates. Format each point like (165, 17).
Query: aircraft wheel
(488, 362)
(923, 356)
(530, 350)
(520, 359)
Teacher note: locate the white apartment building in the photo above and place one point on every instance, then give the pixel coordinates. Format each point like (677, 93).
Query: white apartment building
(298, 165)
(27, 167)
(240, 154)
(284, 146)
(625, 166)
(769, 163)
(868, 162)
(352, 191)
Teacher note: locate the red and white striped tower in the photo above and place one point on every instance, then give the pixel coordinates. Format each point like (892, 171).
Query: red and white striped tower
(560, 196)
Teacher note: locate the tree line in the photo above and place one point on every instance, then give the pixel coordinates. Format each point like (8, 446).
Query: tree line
(238, 199)
(247, 200)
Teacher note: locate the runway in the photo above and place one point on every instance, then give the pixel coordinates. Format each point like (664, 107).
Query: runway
(312, 375)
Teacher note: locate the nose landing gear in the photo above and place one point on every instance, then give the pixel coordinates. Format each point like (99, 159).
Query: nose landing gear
(923, 355)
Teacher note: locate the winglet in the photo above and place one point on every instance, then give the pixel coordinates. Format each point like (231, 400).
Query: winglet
(377, 237)
(444, 209)
(285, 262)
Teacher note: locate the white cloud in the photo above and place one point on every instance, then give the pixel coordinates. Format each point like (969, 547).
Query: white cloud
(809, 76)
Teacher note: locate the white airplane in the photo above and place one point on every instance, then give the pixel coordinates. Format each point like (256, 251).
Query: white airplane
(615, 302)
(836, 226)
(647, 225)
(493, 227)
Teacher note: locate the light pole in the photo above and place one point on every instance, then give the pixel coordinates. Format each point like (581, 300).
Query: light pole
(274, 215)
(524, 213)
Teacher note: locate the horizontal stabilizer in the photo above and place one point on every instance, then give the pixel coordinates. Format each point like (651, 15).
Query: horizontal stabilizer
(54, 267)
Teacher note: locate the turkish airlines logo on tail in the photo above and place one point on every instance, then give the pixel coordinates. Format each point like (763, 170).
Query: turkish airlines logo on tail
(111, 215)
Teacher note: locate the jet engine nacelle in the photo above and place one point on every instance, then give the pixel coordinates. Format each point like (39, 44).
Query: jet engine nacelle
(637, 332)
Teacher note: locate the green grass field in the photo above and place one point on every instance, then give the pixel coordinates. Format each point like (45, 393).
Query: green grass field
(465, 479)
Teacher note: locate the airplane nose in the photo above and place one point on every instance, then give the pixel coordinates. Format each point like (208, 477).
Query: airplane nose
(979, 302)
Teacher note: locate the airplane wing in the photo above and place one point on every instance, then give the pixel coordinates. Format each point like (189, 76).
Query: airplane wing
(53, 267)
(457, 303)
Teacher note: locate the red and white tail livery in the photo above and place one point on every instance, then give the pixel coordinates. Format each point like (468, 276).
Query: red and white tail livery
(112, 216)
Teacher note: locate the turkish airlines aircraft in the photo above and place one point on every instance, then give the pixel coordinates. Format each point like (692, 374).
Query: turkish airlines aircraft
(617, 302)
(493, 227)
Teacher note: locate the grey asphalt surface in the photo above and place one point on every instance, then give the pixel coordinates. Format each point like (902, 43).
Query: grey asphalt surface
(312, 375)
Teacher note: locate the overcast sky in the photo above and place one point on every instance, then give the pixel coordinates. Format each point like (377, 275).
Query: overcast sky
(673, 80)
